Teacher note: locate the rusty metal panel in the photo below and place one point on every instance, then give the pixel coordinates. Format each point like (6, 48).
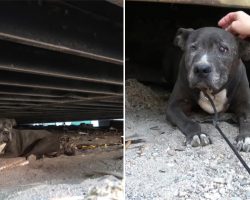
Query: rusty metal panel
(116, 2)
(53, 26)
(61, 60)
(221, 3)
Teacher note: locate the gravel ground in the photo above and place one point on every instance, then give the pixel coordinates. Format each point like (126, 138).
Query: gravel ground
(87, 175)
(163, 168)
(90, 189)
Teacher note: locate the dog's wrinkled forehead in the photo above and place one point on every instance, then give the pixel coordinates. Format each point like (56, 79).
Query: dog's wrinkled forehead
(207, 38)
(210, 35)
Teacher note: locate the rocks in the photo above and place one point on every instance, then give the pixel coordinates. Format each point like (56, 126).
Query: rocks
(181, 172)
(222, 191)
(107, 188)
(220, 180)
(248, 193)
(155, 154)
(236, 198)
(171, 152)
(139, 96)
(182, 193)
(212, 196)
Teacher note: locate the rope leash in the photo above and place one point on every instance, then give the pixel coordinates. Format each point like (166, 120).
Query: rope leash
(215, 123)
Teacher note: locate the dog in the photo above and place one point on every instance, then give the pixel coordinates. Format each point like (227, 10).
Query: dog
(23, 143)
(211, 63)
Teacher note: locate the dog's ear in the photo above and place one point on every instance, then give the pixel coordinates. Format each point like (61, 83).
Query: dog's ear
(244, 49)
(13, 121)
(181, 37)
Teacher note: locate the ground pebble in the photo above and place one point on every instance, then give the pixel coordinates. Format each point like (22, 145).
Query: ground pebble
(219, 180)
(236, 198)
(248, 193)
(171, 152)
(212, 196)
(222, 191)
(155, 154)
(182, 194)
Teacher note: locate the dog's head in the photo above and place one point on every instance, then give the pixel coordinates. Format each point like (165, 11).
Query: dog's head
(210, 54)
(6, 126)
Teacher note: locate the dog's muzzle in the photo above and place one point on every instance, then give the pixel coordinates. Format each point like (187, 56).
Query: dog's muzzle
(202, 70)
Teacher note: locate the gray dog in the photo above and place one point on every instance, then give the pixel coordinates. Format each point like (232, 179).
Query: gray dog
(211, 63)
(23, 143)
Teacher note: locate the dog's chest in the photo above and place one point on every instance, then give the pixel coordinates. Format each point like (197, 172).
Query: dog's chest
(220, 101)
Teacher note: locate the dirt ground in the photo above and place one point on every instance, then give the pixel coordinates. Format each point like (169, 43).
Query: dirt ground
(66, 177)
(159, 166)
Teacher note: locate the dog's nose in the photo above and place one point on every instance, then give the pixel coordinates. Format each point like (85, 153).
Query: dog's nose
(202, 70)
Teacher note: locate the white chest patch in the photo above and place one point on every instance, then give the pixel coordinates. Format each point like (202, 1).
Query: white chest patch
(219, 100)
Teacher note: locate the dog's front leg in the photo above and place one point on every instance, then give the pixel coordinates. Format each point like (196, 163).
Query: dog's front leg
(243, 139)
(192, 130)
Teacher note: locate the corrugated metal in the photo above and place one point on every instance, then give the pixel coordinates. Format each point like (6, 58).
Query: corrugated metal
(222, 3)
(61, 60)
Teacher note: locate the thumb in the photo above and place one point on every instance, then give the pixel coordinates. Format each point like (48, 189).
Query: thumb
(235, 27)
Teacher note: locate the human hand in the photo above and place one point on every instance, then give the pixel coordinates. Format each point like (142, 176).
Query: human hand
(237, 23)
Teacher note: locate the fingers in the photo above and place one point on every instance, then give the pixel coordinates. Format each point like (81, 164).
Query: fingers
(237, 23)
(228, 19)
(235, 28)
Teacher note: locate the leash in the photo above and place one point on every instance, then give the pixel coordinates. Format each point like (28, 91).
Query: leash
(215, 123)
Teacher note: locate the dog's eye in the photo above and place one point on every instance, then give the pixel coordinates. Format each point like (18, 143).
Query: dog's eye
(223, 49)
(193, 47)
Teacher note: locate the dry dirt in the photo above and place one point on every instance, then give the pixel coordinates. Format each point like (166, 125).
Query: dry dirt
(65, 177)
(161, 167)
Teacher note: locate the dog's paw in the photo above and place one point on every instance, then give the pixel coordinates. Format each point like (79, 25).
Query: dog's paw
(243, 144)
(199, 140)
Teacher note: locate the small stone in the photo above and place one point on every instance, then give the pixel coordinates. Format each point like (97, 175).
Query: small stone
(128, 173)
(182, 194)
(244, 182)
(212, 196)
(162, 171)
(219, 180)
(170, 164)
(176, 193)
(222, 191)
(229, 182)
(171, 152)
(208, 195)
(188, 153)
(155, 154)
(248, 193)
(180, 149)
(236, 198)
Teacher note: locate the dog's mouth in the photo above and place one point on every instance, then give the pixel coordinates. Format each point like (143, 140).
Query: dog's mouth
(210, 84)
(204, 86)
(208, 87)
